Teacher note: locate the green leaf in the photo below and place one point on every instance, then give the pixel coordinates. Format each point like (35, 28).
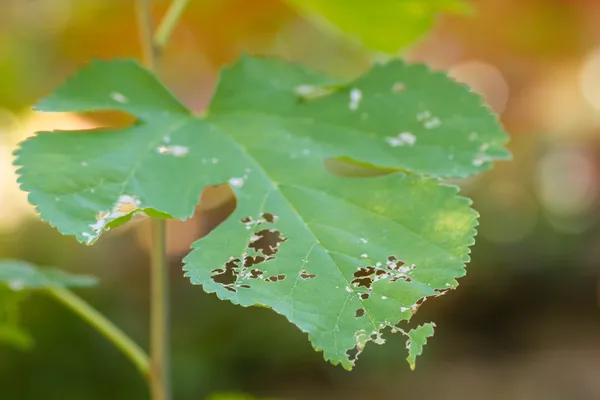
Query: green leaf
(387, 25)
(341, 258)
(396, 116)
(417, 338)
(19, 275)
(16, 279)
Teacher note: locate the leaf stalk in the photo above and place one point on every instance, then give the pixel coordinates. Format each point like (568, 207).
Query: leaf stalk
(168, 23)
(121, 341)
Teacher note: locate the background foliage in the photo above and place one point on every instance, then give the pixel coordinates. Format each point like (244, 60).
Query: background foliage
(525, 322)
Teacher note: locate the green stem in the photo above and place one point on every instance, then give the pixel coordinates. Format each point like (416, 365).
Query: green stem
(167, 25)
(144, 17)
(104, 326)
(160, 382)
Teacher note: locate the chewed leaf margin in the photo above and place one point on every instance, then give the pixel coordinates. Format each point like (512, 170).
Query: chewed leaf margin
(417, 338)
(362, 339)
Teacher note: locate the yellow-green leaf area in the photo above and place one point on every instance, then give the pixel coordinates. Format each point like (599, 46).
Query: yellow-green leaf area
(385, 25)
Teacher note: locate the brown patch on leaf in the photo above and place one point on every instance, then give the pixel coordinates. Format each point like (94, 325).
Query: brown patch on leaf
(360, 312)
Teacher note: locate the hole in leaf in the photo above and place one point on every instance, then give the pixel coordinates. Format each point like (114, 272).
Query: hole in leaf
(417, 305)
(364, 272)
(359, 313)
(275, 278)
(256, 274)
(249, 261)
(353, 353)
(268, 217)
(394, 269)
(229, 275)
(306, 275)
(363, 282)
(267, 241)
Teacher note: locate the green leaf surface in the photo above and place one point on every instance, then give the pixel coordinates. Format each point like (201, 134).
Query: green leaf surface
(417, 338)
(342, 258)
(20, 275)
(387, 25)
(258, 129)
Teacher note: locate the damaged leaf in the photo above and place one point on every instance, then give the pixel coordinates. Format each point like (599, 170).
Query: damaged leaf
(312, 246)
(360, 255)
(417, 338)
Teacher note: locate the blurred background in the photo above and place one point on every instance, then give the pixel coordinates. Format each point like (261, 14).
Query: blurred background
(525, 322)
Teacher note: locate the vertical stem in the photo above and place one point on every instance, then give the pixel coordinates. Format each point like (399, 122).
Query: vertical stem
(160, 382)
(144, 17)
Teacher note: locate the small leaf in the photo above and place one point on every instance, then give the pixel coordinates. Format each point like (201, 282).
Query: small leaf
(20, 275)
(387, 25)
(417, 338)
(16, 279)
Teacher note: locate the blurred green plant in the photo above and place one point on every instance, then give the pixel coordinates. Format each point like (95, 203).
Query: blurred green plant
(17, 280)
(386, 26)
(342, 257)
